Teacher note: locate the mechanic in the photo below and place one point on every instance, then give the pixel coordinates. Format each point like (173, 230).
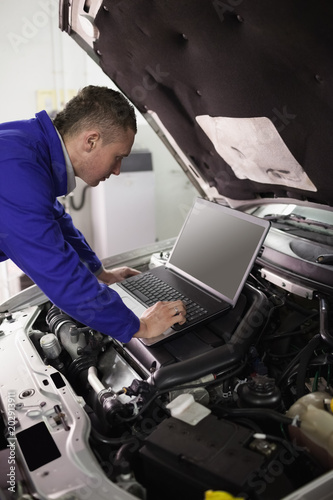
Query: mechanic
(39, 160)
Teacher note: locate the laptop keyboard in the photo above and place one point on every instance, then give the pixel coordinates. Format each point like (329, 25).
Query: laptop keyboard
(149, 289)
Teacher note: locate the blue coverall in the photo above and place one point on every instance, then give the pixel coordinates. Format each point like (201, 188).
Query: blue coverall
(39, 236)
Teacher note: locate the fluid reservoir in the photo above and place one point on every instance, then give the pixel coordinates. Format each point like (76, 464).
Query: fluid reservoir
(259, 392)
(316, 425)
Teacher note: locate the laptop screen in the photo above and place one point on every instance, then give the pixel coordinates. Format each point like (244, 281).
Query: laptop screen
(217, 247)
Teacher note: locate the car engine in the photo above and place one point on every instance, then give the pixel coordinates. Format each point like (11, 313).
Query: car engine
(241, 405)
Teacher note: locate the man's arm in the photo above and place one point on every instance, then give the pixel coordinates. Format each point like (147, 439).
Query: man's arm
(32, 237)
(76, 239)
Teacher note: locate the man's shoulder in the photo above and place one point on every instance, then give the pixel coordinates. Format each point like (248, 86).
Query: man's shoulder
(28, 130)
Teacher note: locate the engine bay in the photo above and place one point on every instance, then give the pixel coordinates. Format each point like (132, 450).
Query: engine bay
(242, 404)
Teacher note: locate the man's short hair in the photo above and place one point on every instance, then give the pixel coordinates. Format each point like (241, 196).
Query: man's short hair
(99, 108)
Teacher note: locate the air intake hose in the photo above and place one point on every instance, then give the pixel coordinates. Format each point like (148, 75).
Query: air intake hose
(222, 357)
(66, 330)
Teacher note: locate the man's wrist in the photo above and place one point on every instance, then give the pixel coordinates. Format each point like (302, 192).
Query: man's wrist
(107, 277)
(99, 271)
(142, 332)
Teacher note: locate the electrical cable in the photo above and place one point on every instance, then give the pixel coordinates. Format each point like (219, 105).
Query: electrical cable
(101, 438)
(262, 413)
(307, 354)
(284, 442)
(219, 379)
(292, 364)
(305, 331)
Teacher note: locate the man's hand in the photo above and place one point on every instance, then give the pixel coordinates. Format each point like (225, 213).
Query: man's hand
(161, 316)
(116, 274)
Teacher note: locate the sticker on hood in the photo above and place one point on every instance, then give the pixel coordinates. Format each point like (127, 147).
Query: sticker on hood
(254, 150)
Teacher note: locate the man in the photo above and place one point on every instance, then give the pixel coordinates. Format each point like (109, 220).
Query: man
(39, 161)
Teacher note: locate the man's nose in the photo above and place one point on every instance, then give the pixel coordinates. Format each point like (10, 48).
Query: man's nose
(116, 170)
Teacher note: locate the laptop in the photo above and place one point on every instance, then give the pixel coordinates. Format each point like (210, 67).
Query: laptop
(207, 267)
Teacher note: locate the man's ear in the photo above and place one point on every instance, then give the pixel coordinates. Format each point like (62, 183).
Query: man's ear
(91, 140)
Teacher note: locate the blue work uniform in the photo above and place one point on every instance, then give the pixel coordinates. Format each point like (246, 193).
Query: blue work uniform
(39, 236)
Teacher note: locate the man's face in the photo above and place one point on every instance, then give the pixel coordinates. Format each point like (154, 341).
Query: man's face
(102, 160)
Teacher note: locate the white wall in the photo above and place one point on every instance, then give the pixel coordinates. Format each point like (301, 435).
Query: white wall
(36, 56)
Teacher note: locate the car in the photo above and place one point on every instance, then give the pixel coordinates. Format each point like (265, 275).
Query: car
(240, 406)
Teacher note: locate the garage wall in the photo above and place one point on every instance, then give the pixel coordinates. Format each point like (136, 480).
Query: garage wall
(41, 68)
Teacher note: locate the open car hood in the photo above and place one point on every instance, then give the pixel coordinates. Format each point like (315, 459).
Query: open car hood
(240, 90)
